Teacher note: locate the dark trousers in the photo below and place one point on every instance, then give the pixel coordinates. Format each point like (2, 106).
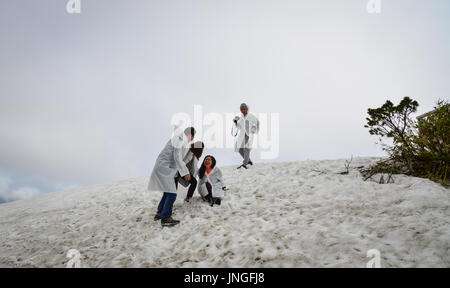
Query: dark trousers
(212, 200)
(245, 152)
(192, 186)
(166, 204)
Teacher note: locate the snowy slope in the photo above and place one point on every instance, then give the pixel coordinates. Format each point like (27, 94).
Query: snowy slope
(274, 215)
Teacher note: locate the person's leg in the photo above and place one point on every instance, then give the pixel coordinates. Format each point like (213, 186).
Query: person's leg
(168, 205)
(209, 188)
(203, 191)
(161, 203)
(160, 207)
(212, 200)
(246, 156)
(192, 187)
(249, 161)
(246, 151)
(241, 152)
(166, 216)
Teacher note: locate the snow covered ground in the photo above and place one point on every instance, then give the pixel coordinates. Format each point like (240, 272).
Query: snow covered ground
(300, 214)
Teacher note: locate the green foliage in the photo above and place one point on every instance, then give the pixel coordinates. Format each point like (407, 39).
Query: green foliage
(418, 148)
(433, 143)
(391, 121)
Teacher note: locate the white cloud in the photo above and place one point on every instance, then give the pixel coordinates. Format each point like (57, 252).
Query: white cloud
(23, 192)
(8, 194)
(4, 185)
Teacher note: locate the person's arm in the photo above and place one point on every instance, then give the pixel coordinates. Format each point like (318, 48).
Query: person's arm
(219, 177)
(255, 125)
(194, 169)
(192, 165)
(236, 121)
(200, 180)
(178, 157)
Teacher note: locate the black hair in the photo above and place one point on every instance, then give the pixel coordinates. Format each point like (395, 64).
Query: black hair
(202, 170)
(197, 149)
(189, 131)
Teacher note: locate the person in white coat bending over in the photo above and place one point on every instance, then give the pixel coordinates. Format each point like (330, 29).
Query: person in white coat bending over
(191, 160)
(247, 126)
(169, 162)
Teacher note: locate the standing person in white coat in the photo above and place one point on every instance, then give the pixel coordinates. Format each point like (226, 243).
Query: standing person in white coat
(248, 125)
(169, 162)
(211, 186)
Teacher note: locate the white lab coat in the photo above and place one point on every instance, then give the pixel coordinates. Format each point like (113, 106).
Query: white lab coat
(250, 130)
(169, 162)
(215, 178)
(192, 165)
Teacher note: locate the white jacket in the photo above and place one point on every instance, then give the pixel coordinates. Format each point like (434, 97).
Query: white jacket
(247, 125)
(192, 165)
(215, 178)
(169, 162)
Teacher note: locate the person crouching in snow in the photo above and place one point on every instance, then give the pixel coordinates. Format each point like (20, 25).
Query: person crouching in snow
(169, 162)
(248, 126)
(191, 160)
(211, 186)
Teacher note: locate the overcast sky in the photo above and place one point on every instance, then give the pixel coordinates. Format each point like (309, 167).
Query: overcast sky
(88, 98)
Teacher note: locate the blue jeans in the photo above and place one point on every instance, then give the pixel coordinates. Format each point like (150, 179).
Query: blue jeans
(166, 204)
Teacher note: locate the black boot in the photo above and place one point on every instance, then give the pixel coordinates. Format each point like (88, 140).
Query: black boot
(216, 201)
(210, 200)
(168, 222)
(157, 217)
(245, 166)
